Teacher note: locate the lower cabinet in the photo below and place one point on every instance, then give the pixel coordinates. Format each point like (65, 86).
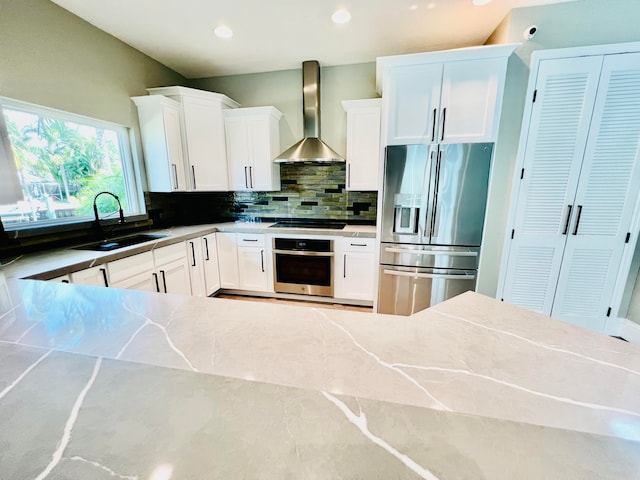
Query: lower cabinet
(96, 276)
(243, 261)
(228, 260)
(196, 266)
(252, 264)
(136, 272)
(171, 269)
(210, 260)
(355, 268)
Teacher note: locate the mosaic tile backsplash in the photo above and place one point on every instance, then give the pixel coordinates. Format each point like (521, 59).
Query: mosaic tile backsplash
(308, 191)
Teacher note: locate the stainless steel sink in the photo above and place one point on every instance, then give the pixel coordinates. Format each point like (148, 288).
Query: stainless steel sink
(115, 243)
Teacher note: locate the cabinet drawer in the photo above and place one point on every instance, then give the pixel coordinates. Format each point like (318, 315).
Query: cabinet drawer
(250, 239)
(170, 253)
(128, 267)
(358, 244)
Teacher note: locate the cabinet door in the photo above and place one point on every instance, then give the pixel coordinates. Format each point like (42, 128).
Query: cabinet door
(97, 276)
(173, 277)
(252, 269)
(205, 142)
(196, 266)
(553, 155)
(264, 145)
(363, 147)
(135, 272)
(173, 135)
(605, 199)
(358, 275)
(146, 281)
(237, 152)
(228, 260)
(412, 96)
(469, 103)
(210, 254)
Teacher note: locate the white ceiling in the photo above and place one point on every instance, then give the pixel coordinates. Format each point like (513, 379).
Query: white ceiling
(274, 35)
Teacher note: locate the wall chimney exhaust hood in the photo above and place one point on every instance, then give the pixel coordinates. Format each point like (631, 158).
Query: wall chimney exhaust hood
(310, 149)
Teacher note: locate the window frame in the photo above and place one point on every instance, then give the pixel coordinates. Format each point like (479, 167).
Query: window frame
(131, 172)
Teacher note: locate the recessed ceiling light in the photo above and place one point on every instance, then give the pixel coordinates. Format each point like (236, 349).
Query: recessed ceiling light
(341, 16)
(223, 32)
(480, 3)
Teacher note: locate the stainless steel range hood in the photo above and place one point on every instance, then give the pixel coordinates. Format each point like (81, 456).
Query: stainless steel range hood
(310, 149)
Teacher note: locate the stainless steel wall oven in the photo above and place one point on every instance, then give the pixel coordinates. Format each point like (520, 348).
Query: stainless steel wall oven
(303, 266)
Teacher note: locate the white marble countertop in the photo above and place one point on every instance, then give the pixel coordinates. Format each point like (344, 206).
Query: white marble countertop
(103, 383)
(60, 261)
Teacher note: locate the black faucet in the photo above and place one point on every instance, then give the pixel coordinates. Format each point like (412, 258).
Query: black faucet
(95, 209)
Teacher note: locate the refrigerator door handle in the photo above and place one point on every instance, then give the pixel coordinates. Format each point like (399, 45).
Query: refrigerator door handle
(433, 127)
(440, 276)
(434, 253)
(436, 186)
(428, 213)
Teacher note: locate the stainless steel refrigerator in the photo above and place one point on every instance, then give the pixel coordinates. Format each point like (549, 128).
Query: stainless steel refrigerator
(433, 209)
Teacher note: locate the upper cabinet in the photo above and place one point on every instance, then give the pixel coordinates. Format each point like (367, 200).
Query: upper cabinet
(253, 141)
(452, 96)
(203, 138)
(363, 143)
(162, 143)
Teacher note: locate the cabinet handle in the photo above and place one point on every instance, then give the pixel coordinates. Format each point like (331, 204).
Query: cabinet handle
(193, 253)
(349, 175)
(246, 180)
(433, 127)
(164, 281)
(65, 281)
(155, 277)
(206, 248)
(193, 174)
(358, 244)
(251, 177)
(566, 224)
(249, 239)
(575, 230)
(174, 169)
(262, 260)
(444, 117)
(344, 266)
(104, 276)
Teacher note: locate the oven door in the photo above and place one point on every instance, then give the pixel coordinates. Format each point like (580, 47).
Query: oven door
(307, 273)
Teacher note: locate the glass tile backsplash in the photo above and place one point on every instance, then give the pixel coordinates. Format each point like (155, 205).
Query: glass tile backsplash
(307, 191)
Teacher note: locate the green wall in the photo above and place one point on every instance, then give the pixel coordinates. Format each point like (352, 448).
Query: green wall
(50, 57)
(572, 24)
(283, 89)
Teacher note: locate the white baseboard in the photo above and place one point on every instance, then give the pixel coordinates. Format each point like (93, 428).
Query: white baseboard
(630, 331)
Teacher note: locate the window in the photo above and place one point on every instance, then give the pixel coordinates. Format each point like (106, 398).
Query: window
(58, 162)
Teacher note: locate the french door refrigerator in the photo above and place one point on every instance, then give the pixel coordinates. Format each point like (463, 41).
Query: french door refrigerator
(433, 209)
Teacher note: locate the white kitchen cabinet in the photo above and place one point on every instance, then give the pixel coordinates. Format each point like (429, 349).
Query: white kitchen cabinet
(172, 269)
(355, 268)
(61, 279)
(136, 272)
(203, 135)
(160, 127)
(97, 276)
(450, 96)
(228, 260)
(210, 257)
(196, 267)
(252, 262)
(363, 143)
(253, 141)
(577, 191)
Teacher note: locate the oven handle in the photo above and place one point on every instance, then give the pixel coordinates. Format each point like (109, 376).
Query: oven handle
(431, 252)
(304, 253)
(463, 276)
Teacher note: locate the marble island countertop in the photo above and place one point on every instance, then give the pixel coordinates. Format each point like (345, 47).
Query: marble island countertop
(107, 383)
(61, 261)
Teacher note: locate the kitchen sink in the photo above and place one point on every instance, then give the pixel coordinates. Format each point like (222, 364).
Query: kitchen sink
(115, 243)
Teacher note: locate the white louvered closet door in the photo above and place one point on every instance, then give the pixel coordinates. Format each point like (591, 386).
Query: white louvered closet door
(559, 124)
(605, 199)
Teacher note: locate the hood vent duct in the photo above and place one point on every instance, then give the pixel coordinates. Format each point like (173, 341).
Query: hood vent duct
(310, 149)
